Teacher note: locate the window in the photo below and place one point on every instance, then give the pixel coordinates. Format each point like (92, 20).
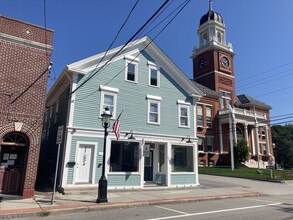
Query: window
(153, 109)
(154, 112)
(210, 144)
(209, 116)
(240, 133)
(204, 39)
(225, 99)
(131, 69)
(199, 116)
(182, 158)
(154, 77)
(184, 116)
(124, 156)
(108, 99)
(219, 37)
(264, 149)
(263, 132)
(131, 73)
(200, 144)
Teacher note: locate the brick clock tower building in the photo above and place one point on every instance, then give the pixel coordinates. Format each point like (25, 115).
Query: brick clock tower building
(24, 68)
(223, 118)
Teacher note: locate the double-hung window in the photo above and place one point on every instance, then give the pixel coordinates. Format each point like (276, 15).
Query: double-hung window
(225, 99)
(154, 75)
(199, 116)
(210, 144)
(154, 108)
(108, 99)
(200, 144)
(131, 69)
(184, 114)
(209, 116)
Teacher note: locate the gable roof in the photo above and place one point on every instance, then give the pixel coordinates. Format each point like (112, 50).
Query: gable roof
(247, 101)
(87, 65)
(207, 91)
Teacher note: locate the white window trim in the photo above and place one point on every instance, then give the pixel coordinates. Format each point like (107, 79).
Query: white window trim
(134, 61)
(109, 89)
(199, 126)
(157, 98)
(158, 102)
(153, 66)
(201, 151)
(103, 93)
(179, 115)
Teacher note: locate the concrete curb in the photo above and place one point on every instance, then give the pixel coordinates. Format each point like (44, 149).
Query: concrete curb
(64, 209)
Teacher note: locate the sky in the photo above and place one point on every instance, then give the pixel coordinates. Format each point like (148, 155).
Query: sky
(260, 31)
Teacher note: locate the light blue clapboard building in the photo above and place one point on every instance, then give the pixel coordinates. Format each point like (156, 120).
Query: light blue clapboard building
(158, 144)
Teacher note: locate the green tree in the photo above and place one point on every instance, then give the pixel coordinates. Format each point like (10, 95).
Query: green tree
(283, 140)
(240, 152)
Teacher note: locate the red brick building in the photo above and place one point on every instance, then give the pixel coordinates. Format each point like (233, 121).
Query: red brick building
(224, 118)
(24, 68)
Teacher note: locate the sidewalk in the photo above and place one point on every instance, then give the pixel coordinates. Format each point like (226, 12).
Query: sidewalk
(82, 201)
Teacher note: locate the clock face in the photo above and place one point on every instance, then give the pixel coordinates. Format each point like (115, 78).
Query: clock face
(202, 63)
(225, 62)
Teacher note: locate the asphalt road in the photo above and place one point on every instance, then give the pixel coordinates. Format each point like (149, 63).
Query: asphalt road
(265, 207)
(276, 204)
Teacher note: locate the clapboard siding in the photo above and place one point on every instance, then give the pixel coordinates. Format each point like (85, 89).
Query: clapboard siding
(117, 180)
(132, 100)
(180, 179)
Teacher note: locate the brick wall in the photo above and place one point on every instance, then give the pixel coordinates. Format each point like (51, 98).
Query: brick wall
(25, 57)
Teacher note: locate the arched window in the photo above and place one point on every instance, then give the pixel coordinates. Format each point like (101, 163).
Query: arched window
(240, 134)
(219, 37)
(204, 39)
(15, 139)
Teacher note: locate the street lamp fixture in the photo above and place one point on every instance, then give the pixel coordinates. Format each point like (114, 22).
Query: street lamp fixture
(103, 183)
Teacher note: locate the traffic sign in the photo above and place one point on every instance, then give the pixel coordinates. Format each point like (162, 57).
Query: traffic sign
(59, 137)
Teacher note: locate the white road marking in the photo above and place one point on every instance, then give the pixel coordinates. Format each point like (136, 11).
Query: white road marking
(260, 200)
(216, 211)
(173, 210)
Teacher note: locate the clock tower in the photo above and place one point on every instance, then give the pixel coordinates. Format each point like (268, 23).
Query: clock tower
(213, 64)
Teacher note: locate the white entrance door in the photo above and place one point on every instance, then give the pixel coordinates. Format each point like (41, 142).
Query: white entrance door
(84, 166)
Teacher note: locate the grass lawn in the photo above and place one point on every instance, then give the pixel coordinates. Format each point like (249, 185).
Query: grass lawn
(249, 173)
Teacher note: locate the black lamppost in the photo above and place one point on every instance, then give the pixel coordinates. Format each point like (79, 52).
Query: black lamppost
(103, 183)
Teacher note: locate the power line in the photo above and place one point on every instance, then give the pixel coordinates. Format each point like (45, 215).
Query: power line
(266, 80)
(186, 2)
(277, 116)
(122, 48)
(183, 5)
(282, 118)
(274, 91)
(263, 72)
(115, 38)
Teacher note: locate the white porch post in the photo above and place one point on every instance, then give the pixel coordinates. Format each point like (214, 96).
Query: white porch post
(221, 138)
(267, 141)
(253, 141)
(235, 132)
(195, 165)
(169, 166)
(246, 133)
(257, 145)
(231, 141)
(142, 165)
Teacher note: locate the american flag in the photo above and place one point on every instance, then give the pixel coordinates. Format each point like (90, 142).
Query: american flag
(116, 127)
